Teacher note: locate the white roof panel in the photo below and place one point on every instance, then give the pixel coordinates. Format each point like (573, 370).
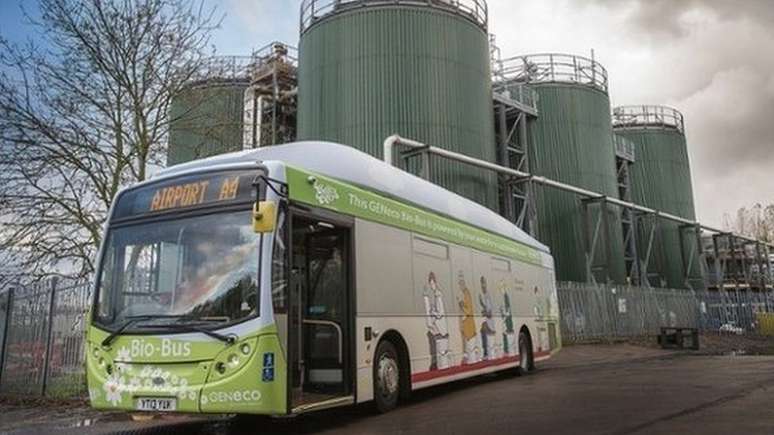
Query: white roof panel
(353, 166)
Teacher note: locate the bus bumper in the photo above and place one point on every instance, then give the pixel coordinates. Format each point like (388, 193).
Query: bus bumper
(231, 381)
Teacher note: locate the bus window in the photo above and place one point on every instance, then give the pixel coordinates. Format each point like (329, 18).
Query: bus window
(204, 267)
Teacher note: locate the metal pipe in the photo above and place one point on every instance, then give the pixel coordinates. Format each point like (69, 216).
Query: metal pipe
(392, 141)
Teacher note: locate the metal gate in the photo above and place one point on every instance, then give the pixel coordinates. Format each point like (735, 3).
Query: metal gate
(42, 327)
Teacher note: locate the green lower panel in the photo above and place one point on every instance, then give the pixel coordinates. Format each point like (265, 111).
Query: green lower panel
(252, 378)
(250, 390)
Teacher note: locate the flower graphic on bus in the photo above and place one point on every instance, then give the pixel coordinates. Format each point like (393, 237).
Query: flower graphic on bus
(325, 194)
(135, 384)
(114, 386)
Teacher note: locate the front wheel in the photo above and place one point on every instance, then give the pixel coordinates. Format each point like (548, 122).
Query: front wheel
(386, 377)
(526, 363)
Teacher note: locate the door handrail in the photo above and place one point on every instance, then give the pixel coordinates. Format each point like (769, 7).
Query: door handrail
(338, 331)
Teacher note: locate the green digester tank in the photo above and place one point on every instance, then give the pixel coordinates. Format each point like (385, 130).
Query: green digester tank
(571, 141)
(661, 180)
(369, 69)
(207, 117)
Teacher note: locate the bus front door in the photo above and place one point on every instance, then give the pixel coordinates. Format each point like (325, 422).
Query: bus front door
(320, 327)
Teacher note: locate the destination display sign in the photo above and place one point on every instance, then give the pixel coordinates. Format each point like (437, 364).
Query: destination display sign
(187, 192)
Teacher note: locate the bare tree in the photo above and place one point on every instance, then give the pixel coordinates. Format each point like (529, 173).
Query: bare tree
(84, 113)
(756, 222)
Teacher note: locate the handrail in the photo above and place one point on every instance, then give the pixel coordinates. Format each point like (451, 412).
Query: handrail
(555, 68)
(645, 116)
(313, 11)
(241, 68)
(518, 92)
(338, 331)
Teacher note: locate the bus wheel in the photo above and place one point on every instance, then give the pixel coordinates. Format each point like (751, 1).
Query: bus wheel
(525, 355)
(386, 377)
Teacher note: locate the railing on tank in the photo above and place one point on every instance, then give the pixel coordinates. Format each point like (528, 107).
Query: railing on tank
(556, 68)
(273, 50)
(242, 68)
(648, 116)
(225, 68)
(314, 10)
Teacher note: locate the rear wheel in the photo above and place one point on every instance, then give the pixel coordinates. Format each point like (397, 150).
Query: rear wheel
(526, 364)
(386, 377)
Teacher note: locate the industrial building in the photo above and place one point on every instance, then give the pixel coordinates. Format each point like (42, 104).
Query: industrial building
(431, 72)
(236, 102)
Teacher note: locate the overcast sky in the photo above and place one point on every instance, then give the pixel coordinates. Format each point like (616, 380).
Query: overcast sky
(711, 59)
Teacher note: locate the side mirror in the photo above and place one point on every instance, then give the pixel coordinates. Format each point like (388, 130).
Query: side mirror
(264, 216)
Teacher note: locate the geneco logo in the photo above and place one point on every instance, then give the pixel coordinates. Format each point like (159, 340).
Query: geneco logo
(325, 194)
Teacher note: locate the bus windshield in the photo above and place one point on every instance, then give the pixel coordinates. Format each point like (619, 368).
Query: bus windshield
(204, 268)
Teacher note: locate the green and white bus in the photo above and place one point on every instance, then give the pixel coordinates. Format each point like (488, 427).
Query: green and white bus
(307, 276)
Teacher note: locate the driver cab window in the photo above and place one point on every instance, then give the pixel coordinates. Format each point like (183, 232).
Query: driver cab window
(203, 266)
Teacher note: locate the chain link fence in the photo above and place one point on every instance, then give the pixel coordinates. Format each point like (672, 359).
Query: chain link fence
(42, 326)
(42, 329)
(600, 312)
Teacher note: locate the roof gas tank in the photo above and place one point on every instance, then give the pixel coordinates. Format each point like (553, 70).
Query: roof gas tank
(369, 69)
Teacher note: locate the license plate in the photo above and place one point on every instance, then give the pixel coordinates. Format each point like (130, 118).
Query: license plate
(156, 404)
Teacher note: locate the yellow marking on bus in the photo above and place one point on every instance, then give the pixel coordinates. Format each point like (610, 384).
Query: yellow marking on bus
(183, 195)
(228, 190)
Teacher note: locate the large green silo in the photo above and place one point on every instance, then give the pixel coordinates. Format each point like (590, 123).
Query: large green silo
(207, 117)
(661, 180)
(370, 69)
(571, 141)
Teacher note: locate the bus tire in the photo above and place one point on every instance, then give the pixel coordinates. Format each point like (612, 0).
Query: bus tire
(386, 377)
(526, 362)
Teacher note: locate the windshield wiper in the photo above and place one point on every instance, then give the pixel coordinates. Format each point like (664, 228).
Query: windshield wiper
(131, 320)
(186, 327)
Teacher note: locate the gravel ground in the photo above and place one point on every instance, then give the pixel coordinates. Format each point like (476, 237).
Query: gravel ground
(720, 344)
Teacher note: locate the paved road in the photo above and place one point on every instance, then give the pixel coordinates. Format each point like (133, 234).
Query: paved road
(588, 389)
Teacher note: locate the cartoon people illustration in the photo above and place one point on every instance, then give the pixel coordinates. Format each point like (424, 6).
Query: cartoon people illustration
(509, 343)
(488, 326)
(467, 323)
(538, 305)
(437, 328)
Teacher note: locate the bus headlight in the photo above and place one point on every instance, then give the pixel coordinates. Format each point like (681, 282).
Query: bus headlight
(232, 359)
